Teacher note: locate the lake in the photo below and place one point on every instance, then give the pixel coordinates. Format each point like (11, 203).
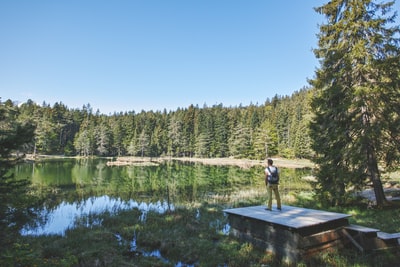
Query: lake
(76, 189)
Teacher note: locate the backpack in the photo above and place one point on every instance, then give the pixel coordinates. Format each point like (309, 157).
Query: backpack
(274, 177)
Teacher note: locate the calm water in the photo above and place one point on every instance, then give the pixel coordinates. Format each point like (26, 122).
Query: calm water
(79, 188)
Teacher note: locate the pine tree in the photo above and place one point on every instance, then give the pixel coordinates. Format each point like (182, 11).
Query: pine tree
(356, 125)
(15, 202)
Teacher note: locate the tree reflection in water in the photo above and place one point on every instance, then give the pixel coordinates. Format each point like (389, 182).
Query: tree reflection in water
(67, 215)
(80, 189)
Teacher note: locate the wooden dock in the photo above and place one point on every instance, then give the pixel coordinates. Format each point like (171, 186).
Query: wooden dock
(305, 221)
(295, 232)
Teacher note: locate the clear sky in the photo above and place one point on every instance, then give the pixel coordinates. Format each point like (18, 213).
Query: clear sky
(134, 55)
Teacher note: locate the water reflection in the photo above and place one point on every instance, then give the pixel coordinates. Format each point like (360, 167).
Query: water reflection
(67, 215)
(75, 190)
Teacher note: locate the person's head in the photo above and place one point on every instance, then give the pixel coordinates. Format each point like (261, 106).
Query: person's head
(270, 162)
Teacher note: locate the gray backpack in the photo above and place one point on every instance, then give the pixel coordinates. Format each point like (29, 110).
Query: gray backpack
(274, 177)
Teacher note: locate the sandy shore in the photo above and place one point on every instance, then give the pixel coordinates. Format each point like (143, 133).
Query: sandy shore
(243, 163)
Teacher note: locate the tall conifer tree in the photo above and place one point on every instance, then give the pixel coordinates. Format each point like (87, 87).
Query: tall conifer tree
(15, 203)
(356, 127)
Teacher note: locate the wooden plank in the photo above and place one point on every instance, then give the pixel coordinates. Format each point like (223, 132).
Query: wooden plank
(327, 226)
(330, 246)
(371, 238)
(365, 231)
(387, 236)
(360, 228)
(355, 243)
(320, 238)
(389, 240)
(376, 243)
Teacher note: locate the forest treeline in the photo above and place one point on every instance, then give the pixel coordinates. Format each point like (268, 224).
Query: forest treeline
(279, 127)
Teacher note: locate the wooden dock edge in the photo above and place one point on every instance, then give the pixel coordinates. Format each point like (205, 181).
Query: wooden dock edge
(290, 244)
(370, 239)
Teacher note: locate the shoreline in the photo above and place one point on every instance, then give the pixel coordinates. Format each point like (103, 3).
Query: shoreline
(242, 163)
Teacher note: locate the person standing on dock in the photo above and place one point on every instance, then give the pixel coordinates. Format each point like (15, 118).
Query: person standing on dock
(272, 182)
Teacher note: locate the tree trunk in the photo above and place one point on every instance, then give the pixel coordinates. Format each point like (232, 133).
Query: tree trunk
(373, 170)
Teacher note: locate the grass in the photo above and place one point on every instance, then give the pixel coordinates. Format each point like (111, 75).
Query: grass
(188, 235)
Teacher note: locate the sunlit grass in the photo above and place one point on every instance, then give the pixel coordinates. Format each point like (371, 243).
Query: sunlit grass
(189, 235)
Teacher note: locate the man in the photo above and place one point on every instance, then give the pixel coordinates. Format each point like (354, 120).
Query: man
(272, 182)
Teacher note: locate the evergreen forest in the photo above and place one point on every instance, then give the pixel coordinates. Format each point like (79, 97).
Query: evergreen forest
(279, 127)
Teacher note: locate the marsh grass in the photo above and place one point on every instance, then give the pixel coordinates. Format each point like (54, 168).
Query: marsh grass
(190, 236)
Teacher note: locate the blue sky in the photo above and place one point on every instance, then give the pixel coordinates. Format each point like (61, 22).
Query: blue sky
(134, 55)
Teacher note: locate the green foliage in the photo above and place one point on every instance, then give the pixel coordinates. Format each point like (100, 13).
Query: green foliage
(356, 124)
(276, 128)
(15, 136)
